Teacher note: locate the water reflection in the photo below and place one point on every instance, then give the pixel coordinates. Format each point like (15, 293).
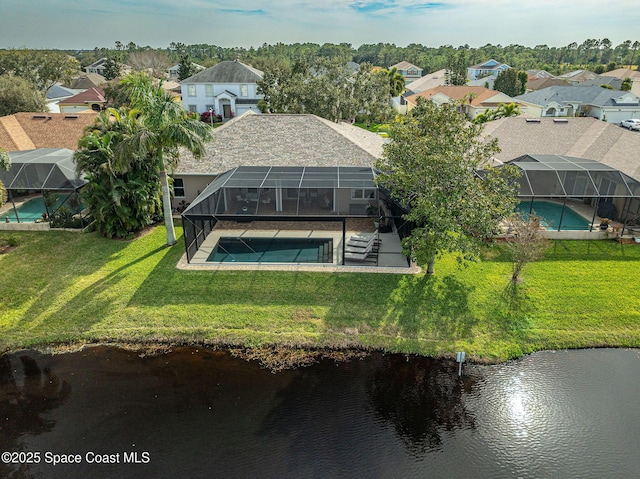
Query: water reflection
(421, 398)
(27, 393)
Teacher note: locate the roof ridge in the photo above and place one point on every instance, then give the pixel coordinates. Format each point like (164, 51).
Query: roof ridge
(17, 134)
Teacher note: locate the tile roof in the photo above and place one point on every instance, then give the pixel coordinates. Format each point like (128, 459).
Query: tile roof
(26, 131)
(579, 137)
(284, 140)
(226, 72)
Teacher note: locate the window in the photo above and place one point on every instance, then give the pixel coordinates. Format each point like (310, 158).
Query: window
(362, 194)
(191, 89)
(209, 108)
(244, 90)
(178, 188)
(193, 109)
(208, 90)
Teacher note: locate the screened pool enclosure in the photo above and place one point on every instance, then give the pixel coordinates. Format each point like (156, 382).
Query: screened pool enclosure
(48, 171)
(571, 185)
(311, 194)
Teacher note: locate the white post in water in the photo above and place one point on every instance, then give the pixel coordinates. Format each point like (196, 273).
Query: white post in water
(460, 359)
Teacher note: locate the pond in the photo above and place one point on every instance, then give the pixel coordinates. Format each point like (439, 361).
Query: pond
(201, 413)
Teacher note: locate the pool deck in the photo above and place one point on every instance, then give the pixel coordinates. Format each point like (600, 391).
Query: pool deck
(389, 256)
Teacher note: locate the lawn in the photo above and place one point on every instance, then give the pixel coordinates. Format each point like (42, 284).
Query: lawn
(61, 287)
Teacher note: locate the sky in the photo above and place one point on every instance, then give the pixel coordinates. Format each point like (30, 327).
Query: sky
(85, 24)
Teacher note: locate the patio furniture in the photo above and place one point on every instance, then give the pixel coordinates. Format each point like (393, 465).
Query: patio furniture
(359, 255)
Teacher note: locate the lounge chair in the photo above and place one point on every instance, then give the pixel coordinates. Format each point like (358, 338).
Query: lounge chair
(361, 239)
(360, 246)
(359, 253)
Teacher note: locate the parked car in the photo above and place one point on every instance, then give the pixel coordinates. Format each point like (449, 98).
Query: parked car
(632, 124)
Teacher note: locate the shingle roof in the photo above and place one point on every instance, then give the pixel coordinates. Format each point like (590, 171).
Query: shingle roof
(26, 131)
(93, 94)
(404, 66)
(284, 140)
(226, 72)
(541, 83)
(591, 95)
(86, 80)
(480, 94)
(579, 75)
(430, 80)
(623, 73)
(579, 137)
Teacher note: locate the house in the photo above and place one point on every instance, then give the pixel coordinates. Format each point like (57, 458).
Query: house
(581, 137)
(86, 81)
(276, 140)
(228, 88)
(535, 84)
(96, 67)
(426, 82)
(578, 76)
(607, 105)
(28, 131)
(409, 71)
(605, 82)
(174, 71)
(57, 93)
(274, 179)
(477, 99)
(489, 68)
(623, 74)
(91, 99)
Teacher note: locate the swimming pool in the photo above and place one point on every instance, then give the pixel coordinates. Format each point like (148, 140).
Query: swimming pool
(272, 250)
(32, 209)
(550, 214)
(29, 211)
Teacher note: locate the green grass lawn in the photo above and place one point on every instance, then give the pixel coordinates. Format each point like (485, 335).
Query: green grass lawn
(60, 287)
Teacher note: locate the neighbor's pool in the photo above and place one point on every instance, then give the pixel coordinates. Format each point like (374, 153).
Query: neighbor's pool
(550, 214)
(29, 211)
(272, 250)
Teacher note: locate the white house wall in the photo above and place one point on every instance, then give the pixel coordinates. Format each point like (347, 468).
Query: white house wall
(201, 101)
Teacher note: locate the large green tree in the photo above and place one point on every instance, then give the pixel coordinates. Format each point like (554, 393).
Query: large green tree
(162, 128)
(18, 94)
(509, 82)
(396, 82)
(121, 201)
(430, 166)
(456, 68)
(43, 68)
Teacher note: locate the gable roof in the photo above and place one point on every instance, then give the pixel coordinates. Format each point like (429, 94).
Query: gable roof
(86, 80)
(579, 75)
(226, 72)
(284, 140)
(579, 137)
(92, 95)
(27, 131)
(591, 95)
(540, 83)
(481, 95)
(488, 65)
(405, 66)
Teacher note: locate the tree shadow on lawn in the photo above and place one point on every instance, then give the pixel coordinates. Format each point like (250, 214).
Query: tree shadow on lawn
(509, 316)
(92, 303)
(428, 307)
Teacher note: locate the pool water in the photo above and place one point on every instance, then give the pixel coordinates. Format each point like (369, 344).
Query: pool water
(550, 214)
(272, 250)
(31, 210)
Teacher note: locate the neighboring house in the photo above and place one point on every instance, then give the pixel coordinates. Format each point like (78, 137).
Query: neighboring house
(91, 99)
(578, 76)
(86, 81)
(489, 68)
(477, 99)
(428, 81)
(486, 82)
(623, 74)
(607, 105)
(539, 74)
(29, 131)
(575, 137)
(174, 71)
(98, 67)
(610, 82)
(228, 88)
(536, 84)
(275, 140)
(56, 94)
(409, 71)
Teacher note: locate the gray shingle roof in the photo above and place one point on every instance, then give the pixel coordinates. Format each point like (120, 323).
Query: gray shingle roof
(226, 72)
(284, 140)
(578, 137)
(589, 95)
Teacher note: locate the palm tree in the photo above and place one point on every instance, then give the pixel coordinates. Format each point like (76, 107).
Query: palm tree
(396, 82)
(5, 163)
(163, 128)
